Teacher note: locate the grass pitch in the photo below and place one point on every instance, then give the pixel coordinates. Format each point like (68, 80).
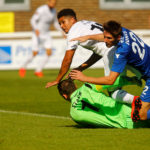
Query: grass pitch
(35, 118)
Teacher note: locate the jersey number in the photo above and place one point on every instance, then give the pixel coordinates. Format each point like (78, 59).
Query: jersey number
(145, 90)
(97, 26)
(135, 47)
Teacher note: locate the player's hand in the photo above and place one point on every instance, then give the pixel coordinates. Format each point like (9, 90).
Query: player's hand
(81, 38)
(77, 75)
(49, 84)
(71, 70)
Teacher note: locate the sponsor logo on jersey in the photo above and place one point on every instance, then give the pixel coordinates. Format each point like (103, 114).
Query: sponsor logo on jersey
(5, 55)
(126, 38)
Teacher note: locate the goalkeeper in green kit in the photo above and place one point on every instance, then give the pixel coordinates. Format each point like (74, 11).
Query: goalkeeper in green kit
(91, 107)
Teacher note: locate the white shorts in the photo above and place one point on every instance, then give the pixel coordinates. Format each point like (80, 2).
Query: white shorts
(108, 59)
(43, 41)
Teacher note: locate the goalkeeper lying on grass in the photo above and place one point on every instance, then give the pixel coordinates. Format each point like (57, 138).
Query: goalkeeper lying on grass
(91, 107)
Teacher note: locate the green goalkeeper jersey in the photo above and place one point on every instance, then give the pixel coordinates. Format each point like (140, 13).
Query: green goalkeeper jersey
(88, 107)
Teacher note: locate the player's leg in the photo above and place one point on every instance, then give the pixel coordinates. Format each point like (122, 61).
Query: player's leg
(141, 106)
(35, 48)
(145, 97)
(22, 70)
(38, 71)
(122, 96)
(47, 44)
(145, 111)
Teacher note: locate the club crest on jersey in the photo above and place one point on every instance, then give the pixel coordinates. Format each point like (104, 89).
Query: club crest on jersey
(117, 55)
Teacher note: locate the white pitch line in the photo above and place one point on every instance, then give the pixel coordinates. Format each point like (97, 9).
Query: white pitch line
(34, 114)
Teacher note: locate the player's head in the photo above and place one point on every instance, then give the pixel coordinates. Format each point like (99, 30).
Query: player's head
(66, 18)
(66, 88)
(51, 3)
(112, 33)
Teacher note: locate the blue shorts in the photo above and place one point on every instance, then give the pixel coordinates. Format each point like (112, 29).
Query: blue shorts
(145, 96)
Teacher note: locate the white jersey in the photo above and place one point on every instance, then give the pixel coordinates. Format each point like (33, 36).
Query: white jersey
(82, 28)
(43, 18)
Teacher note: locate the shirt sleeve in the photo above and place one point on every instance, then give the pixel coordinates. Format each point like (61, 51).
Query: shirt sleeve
(56, 25)
(35, 19)
(72, 45)
(120, 59)
(70, 36)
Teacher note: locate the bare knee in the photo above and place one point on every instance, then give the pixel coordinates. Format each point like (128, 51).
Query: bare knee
(35, 53)
(143, 111)
(143, 115)
(49, 52)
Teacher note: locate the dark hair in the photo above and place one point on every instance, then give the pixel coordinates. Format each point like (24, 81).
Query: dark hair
(66, 12)
(113, 27)
(67, 87)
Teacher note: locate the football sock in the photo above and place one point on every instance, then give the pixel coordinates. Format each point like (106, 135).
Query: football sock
(122, 96)
(29, 59)
(42, 64)
(148, 114)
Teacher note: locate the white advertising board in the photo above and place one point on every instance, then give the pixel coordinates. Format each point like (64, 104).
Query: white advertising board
(14, 52)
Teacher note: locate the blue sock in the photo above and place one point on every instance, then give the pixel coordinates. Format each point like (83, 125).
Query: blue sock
(148, 114)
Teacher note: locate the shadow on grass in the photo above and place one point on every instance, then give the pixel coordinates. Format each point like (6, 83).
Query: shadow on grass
(85, 127)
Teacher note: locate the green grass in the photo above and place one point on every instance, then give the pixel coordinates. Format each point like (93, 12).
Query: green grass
(29, 132)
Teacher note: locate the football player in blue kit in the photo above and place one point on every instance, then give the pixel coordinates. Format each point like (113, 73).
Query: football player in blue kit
(133, 51)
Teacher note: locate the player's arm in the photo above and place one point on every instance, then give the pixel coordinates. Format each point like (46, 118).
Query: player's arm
(56, 24)
(92, 60)
(107, 80)
(64, 68)
(97, 37)
(117, 67)
(34, 20)
(120, 82)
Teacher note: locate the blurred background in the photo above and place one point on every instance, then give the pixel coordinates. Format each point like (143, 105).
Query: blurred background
(35, 118)
(15, 28)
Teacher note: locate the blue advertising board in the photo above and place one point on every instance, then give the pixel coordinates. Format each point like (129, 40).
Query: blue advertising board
(5, 55)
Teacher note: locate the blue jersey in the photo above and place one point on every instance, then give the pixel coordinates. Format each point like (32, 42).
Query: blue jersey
(133, 51)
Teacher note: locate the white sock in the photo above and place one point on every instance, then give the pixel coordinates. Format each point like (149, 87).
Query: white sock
(122, 96)
(42, 64)
(29, 59)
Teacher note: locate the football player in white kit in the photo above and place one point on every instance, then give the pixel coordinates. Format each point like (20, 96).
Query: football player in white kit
(68, 22)
(44, 16)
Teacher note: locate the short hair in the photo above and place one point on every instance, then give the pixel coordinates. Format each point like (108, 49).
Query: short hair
(66, 12)
(67, 87)
(113, 27)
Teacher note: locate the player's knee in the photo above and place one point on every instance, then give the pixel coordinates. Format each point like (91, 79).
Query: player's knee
(143, 114)
(49, 52)
(143, 111)
(35, 53)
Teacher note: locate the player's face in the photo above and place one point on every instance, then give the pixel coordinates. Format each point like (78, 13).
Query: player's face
(66, 23)
(109, 39)
(51, 3)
